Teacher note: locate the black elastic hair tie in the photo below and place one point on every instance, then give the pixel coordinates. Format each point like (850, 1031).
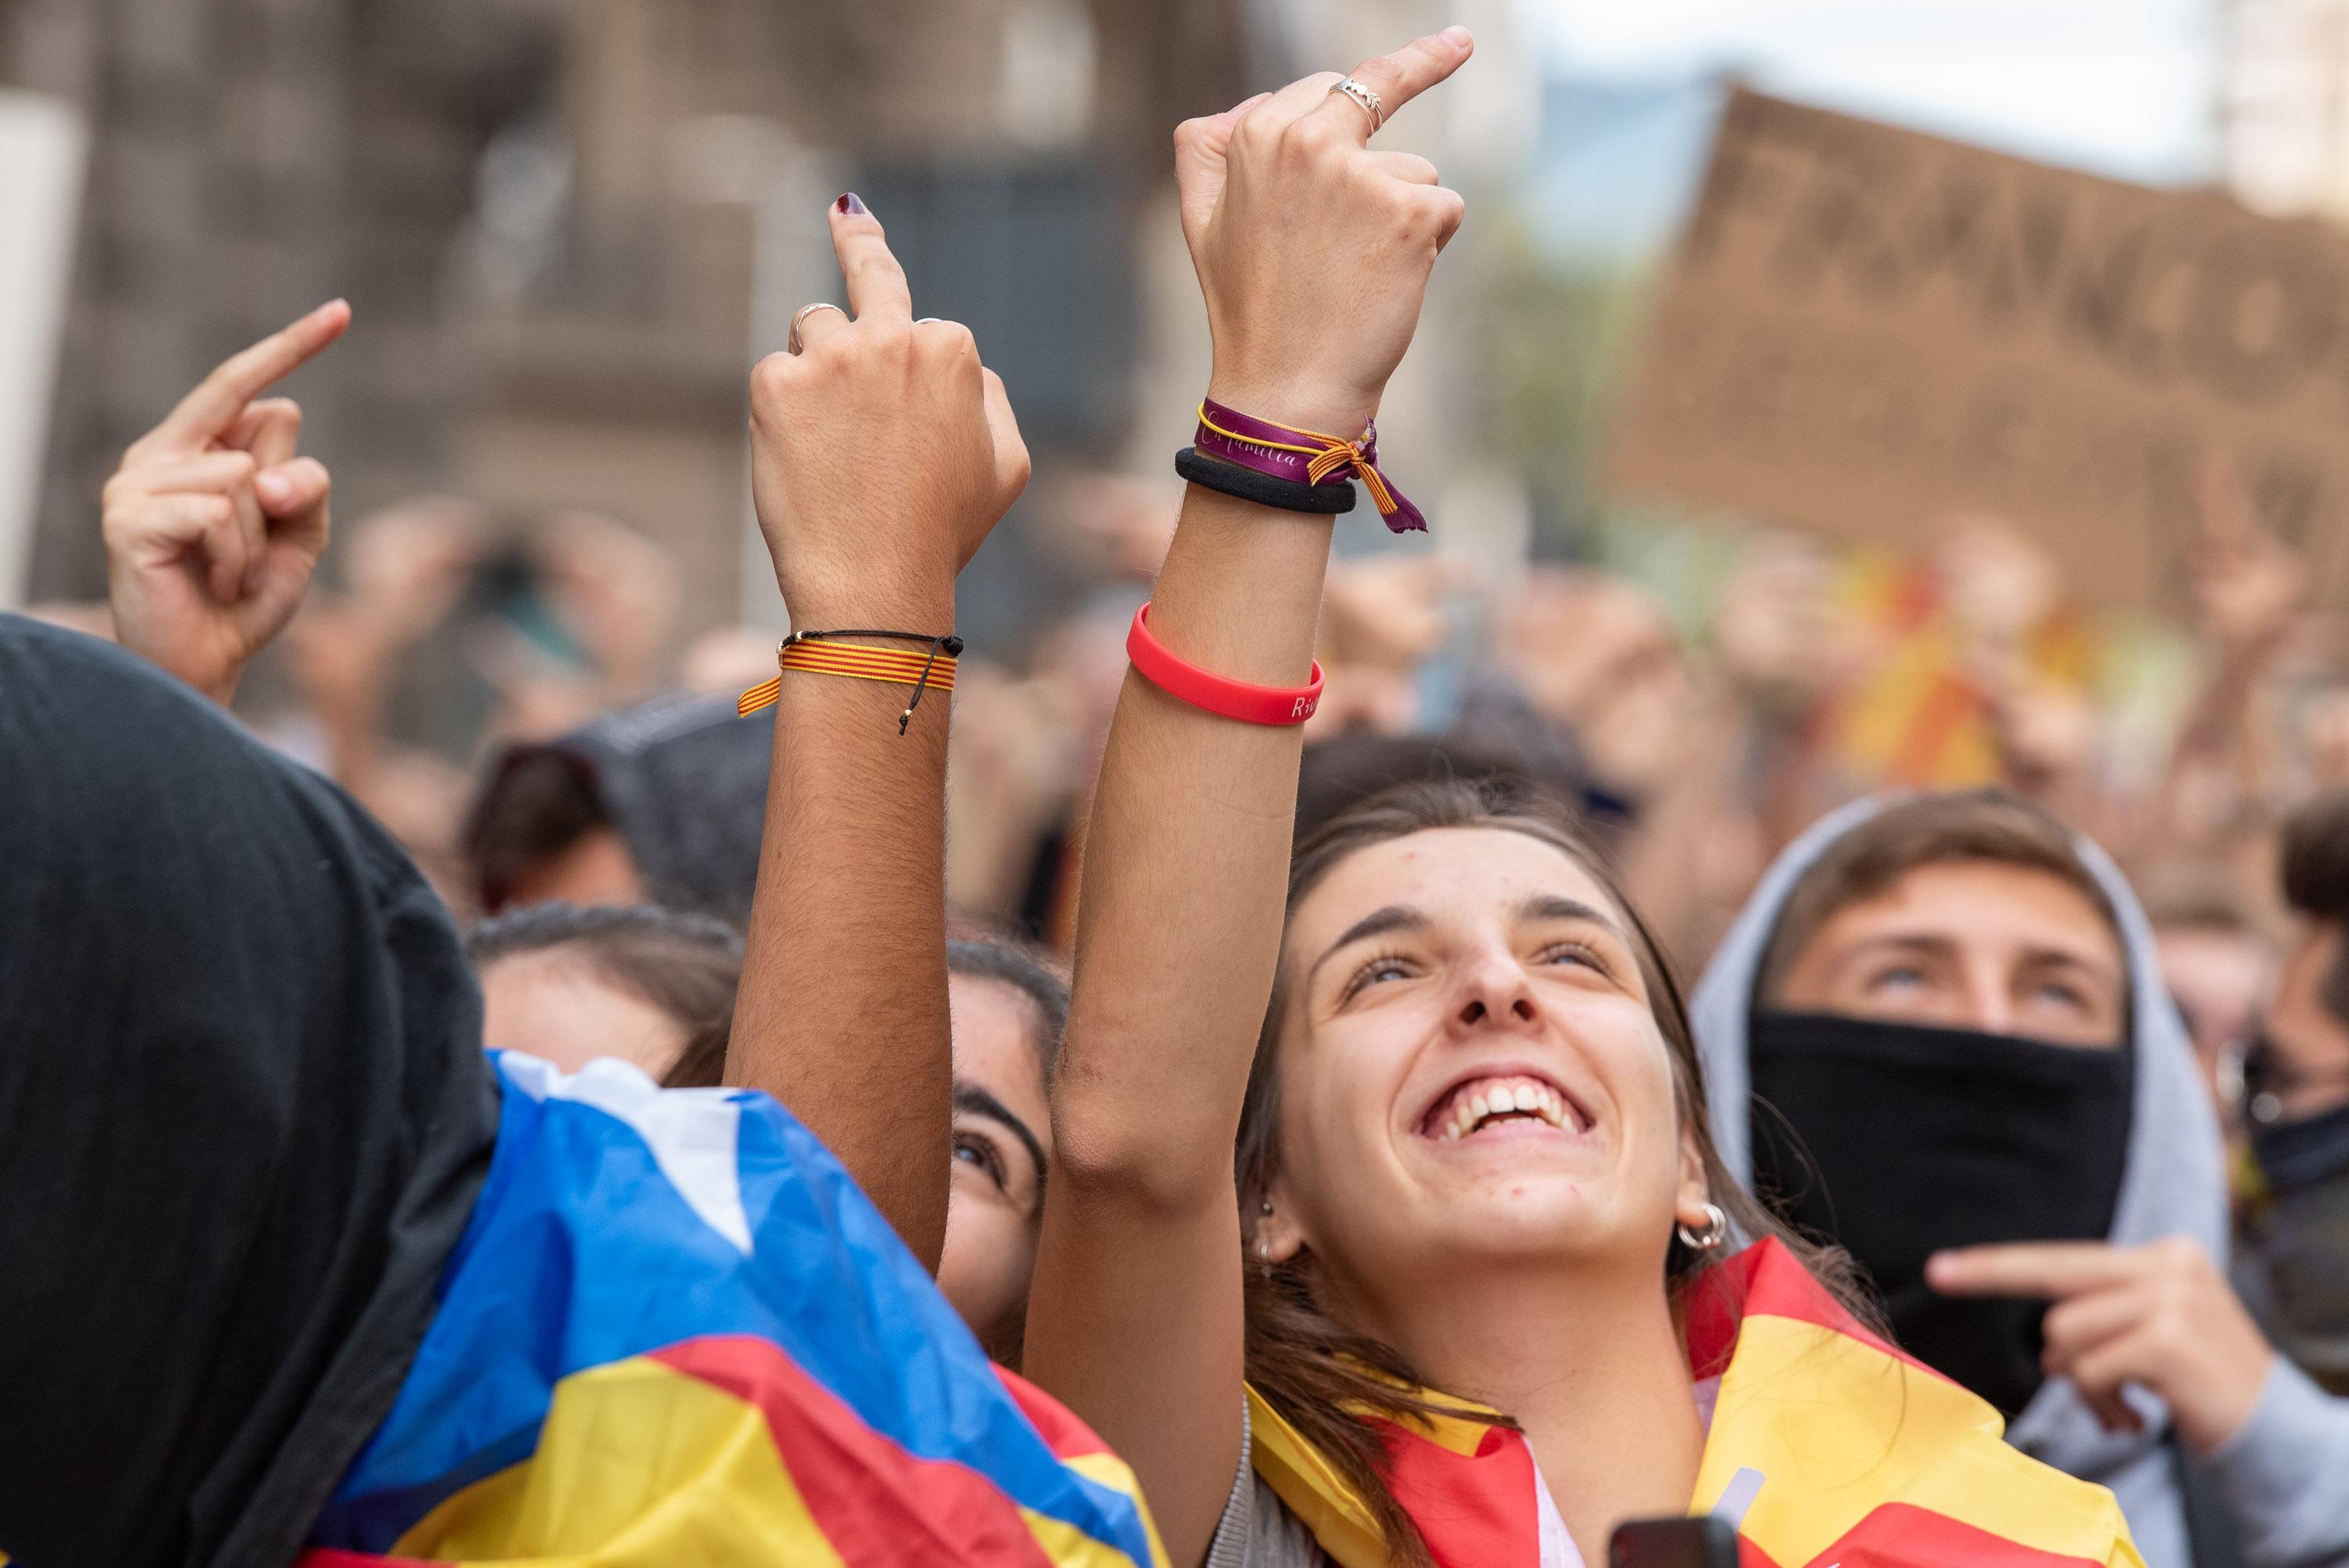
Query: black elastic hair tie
(1290, 495)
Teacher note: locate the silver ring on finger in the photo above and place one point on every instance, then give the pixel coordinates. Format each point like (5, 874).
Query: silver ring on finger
(1364, 97)
(792, 345)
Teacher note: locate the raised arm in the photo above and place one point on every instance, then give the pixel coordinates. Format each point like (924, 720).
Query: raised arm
(881, 456)
(1313, 253)
(213, 524)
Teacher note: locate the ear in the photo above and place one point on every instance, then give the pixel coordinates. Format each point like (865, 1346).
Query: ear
(1277, 1237)
(1696, 1192)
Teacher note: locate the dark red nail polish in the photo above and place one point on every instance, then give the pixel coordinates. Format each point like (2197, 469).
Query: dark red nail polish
(851, 203)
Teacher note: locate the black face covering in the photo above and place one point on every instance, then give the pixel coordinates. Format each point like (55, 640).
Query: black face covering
(243, 1116)
(1921, 1138)
(2301, 1237)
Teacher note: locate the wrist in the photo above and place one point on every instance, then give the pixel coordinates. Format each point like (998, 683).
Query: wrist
(1300, 404)
(876, 603)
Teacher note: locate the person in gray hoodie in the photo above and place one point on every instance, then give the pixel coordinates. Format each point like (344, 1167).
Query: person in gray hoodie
(1937, 1034)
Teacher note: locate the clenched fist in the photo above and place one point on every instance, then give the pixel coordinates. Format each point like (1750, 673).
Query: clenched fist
(882, 452)
(212, 523)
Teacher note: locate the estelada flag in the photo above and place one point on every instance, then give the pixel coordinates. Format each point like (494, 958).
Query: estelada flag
(676, 1332)
(1826, 1445)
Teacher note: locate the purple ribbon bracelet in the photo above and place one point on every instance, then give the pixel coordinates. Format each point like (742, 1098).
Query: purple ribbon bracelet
(1304, 457)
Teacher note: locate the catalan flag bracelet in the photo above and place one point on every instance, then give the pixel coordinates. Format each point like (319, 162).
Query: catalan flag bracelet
(1186, 682)
(816, 653)
(1310, 469)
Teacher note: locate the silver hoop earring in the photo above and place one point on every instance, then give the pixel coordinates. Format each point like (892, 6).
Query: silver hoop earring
(1715, 1231)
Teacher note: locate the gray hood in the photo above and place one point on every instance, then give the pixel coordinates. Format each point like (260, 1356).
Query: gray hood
(2174, 1182)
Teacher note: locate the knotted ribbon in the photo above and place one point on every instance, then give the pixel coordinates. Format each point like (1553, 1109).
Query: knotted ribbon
(1306, 457)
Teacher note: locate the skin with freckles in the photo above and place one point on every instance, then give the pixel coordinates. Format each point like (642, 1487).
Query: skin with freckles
(1983, 945)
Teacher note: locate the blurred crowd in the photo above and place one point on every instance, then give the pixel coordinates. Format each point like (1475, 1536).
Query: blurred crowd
(464, 653)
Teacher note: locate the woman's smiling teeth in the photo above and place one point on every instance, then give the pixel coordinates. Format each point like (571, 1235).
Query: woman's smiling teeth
(1483, 1103)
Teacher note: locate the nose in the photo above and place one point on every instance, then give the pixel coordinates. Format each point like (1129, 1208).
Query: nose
(1987, 1000)
(1494, 990)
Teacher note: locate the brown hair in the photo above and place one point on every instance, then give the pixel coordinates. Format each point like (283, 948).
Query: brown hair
(2316, 879)
(1031, 971)
(1328, 1382)
(687, 965)
(1928, 830)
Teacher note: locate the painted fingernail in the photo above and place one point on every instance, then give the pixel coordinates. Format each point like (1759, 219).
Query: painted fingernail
(851, 203)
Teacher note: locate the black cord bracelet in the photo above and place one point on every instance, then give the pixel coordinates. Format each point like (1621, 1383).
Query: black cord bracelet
(949, 644)
(1246, 484)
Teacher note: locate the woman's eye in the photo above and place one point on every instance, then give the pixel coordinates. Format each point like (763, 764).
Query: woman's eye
(1572, 953)
(1900, 979)
(973, 1150)
(1378, 971)
(2061, 995)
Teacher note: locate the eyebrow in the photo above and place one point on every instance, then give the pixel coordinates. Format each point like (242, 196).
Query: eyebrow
(968, 1096)
(1378, 923)
(1934, 944)
(1402, 917)
(1552, 906)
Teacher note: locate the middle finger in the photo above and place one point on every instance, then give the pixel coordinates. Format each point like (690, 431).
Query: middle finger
(877, 283)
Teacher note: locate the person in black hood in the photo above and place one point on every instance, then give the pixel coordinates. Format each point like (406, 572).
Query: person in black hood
(1941, 1039)
(246, 1112)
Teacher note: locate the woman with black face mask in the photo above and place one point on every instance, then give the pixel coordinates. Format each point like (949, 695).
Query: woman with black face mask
(1942, 1044)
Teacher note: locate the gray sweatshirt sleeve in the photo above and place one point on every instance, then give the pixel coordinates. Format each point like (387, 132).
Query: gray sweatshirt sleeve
(2285, 1476)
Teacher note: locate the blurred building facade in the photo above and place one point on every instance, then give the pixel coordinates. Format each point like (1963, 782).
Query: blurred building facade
(2283, 114)
(565, 227)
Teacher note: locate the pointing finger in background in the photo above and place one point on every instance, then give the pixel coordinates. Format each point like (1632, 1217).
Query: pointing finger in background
(219, 399)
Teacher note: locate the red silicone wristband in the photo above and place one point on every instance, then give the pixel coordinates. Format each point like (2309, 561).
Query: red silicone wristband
(1204, 689)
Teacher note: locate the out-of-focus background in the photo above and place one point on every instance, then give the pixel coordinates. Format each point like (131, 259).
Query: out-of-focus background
(567, 228)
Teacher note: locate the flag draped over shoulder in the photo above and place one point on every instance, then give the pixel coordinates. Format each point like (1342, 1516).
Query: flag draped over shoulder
(677, 1332)
(1829, 1447)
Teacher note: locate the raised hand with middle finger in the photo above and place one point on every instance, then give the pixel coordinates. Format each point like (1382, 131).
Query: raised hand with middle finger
(882, 452)
(212, 523)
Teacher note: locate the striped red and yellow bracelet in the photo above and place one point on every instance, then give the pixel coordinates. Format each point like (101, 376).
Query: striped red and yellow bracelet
(1308, 465)
(1186, 682)
(817, 653)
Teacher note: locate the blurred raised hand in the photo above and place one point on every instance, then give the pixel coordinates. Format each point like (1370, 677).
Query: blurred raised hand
(2249, 585)
(882, 453)
(214, 524)
(1313, 251)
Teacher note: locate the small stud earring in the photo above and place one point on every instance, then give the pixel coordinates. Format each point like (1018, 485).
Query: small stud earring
(1265, 1208)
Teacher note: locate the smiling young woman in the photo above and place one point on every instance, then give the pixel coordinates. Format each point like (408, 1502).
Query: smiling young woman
(1341, 1143)
(1444, 1090)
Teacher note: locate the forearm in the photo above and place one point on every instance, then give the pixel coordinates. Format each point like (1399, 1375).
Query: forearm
(1186, 858)
(843, 1008)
